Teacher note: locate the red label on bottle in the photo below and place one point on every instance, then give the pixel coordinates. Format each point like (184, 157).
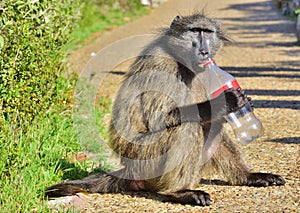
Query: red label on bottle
(234, 84)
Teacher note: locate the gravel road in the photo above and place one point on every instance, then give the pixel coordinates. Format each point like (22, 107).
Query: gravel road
(266, 62)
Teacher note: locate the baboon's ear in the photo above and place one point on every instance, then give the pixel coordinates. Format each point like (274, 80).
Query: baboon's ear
(222, 34)
(226, 39)
(174, 21)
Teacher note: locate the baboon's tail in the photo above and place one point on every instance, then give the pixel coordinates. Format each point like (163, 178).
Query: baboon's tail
(99, 183)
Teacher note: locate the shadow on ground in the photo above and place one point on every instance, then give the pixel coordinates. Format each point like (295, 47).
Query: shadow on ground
(257, 14)
(258, 25)
(289, 140)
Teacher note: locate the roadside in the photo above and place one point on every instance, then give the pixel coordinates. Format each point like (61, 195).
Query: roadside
(266, 62)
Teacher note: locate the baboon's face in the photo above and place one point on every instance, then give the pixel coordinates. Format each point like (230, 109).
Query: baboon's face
(195, 38)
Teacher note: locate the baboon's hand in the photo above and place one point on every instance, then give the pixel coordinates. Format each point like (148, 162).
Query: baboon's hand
(235, 99)
(250, 102)
(264, 179)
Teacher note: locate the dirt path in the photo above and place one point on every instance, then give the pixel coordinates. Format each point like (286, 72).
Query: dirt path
(266, 62)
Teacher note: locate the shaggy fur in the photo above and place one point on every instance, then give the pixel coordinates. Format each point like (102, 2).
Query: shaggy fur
(165, 129)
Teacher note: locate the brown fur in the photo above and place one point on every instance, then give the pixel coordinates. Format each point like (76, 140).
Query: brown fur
(162, 119)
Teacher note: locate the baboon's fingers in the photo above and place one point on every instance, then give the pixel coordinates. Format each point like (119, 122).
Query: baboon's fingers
(264, 179)
(194, 197)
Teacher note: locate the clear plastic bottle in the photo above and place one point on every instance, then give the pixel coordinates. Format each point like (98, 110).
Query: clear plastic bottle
(245, 125)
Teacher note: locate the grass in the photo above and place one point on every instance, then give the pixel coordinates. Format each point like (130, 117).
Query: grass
(97, 18)
(35, 155)
(31, 160)
(104, 109)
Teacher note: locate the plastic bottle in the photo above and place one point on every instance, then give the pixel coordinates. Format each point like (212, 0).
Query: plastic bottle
(245, 125)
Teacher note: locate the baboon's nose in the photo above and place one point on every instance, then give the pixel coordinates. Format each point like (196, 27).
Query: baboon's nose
(203, 52)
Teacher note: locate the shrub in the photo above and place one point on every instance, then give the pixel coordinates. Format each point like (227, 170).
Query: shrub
(33, 136)
(31, 40)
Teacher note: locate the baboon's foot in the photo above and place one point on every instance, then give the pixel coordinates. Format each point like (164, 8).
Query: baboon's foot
(264, 179)
(194, 197)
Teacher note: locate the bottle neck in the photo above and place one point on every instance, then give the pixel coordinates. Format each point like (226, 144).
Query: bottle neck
(219, 80)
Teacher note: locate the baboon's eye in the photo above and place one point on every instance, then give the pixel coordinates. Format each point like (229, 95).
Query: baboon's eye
(195, 30)
(198, 30)
(207, 31)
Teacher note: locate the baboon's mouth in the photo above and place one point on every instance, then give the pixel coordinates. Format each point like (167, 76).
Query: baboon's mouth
(203, 62)
(201, 65)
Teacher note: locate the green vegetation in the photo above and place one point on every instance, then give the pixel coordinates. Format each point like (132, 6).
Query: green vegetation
(33, 33)
(37, 136)
(102, 15)
(32, 158)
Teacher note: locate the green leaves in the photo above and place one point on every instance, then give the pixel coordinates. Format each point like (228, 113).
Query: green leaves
(32, 34)
(1, 42)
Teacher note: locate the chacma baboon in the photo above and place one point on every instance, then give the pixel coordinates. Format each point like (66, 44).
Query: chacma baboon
(164, 126)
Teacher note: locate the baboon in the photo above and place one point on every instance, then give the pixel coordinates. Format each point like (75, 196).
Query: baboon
(165, 128)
